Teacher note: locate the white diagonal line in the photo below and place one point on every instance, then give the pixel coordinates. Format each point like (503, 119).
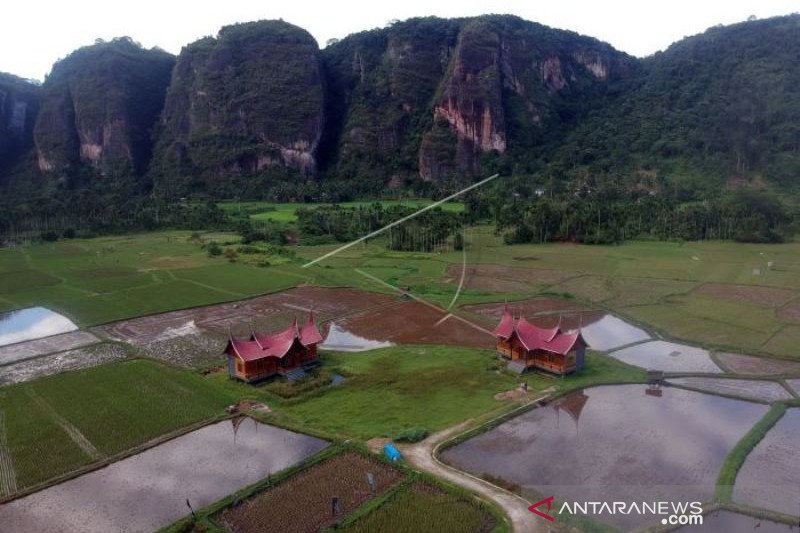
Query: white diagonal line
(423, 301)
(396, 222)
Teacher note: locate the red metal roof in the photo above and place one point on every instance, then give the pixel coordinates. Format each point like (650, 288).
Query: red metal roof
(506, 326)
(262, 345)
(533, 337)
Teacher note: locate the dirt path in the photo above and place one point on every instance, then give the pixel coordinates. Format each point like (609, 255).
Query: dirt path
(423, 457)
(8, 479)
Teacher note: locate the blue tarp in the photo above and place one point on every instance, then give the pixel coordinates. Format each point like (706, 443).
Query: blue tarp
(392, 452)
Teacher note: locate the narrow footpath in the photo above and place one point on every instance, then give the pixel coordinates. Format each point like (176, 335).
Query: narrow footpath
(422, 456)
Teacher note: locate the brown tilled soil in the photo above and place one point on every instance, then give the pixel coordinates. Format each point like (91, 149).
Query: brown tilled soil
(197, 336)
(416, 323)
(303, 502)
(506, 279)
(748, 294)
(790, 312)
(750, 365)
(544, 312)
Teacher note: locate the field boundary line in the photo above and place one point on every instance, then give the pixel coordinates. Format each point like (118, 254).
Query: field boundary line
(8, 478)
(73, 432)
(211, 287)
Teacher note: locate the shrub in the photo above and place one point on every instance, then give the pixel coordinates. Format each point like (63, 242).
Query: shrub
(214, 249)
(411, 435)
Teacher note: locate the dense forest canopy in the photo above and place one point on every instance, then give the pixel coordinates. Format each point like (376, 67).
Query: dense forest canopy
(701, 140)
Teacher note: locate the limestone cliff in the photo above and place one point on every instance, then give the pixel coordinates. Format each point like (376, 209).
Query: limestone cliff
(19, 105)
(99, 107)
(246, 103)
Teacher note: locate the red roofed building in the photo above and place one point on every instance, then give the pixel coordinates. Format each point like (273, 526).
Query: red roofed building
(528, 346)
(284, 353)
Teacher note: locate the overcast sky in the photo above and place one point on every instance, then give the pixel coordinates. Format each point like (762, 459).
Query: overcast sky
(35, 33)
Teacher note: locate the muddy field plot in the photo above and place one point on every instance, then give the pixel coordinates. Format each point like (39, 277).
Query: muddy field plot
(748, 294)
(751, 365)
(769, 475)
(528, 308)
(304, 501)
(85, 357)
(20, 351)
(748, 389)
(416, 323)
(498, 278)
(196, 335)
(790, 312)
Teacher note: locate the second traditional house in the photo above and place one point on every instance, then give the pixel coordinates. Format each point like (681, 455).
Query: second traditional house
(528, 346)
(286, 353)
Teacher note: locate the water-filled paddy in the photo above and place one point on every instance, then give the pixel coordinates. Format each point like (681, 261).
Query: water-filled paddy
(625, 442)
(32, 323)
(149, 490)
(667, 356)
(770, 474)
(611, 332)
(748, 389)
(728, 522)
(340, 340)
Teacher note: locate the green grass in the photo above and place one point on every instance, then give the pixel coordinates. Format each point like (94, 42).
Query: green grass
(420, 507)
(738, 455)
(94, 281)
(394, 389)
(115, 407)
(286, 212)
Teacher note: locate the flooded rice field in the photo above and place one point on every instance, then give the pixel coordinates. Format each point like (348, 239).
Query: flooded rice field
(32, 323)
(770, 474)
(149, 490)
(794, 384)
(624, 442)
(340, 340)
(20, 351)
(601, 330)
(747, 389)
(751, 365)
(47, 365)
(667, 356)
(729, 522)
(612, 332)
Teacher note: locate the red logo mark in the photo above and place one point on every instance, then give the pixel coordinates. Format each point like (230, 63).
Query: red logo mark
(549, 502)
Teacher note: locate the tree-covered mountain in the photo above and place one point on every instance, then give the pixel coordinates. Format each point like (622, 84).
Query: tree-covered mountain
(259, 111)
(98, 109)
(246, 104)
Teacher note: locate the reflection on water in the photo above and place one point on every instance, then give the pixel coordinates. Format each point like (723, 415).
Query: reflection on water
(614, 443)
(149, 490)
(341, 340)
(728, 522)
(770, 474)
(612, 332)
(32, 323)
(667, 356)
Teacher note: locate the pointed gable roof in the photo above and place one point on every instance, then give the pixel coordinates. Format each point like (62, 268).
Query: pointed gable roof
(533, 337)
(261, 345)
(506, 326)
(309, 334)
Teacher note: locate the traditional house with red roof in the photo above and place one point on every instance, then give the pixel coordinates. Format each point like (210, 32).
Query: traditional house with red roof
(285, 353)
(528, 346)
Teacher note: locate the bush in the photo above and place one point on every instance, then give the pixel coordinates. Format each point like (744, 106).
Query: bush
(49, 236)
(214, 249)
(231, 255)
(411, 435)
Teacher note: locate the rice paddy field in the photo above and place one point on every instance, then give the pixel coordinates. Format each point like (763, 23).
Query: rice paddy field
(58, 424)
(732, 296)
(286, 212)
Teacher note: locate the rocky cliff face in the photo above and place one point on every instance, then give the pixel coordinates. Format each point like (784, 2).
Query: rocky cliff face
(435, 98)
(100, 105)
(19, 106)
(248, 102)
